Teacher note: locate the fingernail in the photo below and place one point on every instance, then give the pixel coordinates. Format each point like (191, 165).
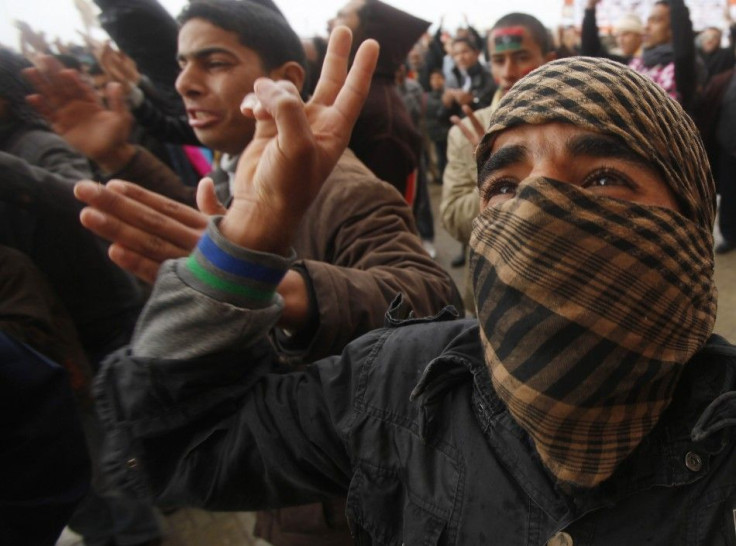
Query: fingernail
(90, 215)
(249, 102)
(117, 185)
(85, 189)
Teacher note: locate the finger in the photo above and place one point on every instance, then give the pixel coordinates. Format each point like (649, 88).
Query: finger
(350, 100)
(207, 201)
(251, 107)
(41, 106)
(334, 67)
(261, 111)
(287, 110)
(249, 104)
(132, 223)
(145, 243)
(41, 84)
(115, 100)
(78, 89)
(135, 263)
(465, 130)
(66, 82)
(173, 209)
(477, 125)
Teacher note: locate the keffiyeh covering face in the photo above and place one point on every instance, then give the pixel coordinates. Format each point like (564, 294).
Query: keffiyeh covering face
(590, 306)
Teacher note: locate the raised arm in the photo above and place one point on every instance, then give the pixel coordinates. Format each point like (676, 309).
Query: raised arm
(590, 41)
(99, 132)
(77, 115)
(683, 43)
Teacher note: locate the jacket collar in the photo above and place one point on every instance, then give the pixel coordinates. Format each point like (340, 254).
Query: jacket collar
(700, 422)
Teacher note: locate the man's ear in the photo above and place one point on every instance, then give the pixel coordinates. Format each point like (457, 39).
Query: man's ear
(292, 71)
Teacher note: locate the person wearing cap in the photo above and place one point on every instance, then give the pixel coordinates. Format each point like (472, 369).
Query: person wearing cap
(590, 403)
(629, 31)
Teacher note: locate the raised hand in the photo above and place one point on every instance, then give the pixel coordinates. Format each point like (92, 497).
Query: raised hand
(145, 228)
(76, 113)
(475, 132)
(295, 146)
(119, 67)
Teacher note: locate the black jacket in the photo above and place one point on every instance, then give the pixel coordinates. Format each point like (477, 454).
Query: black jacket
(407, 424)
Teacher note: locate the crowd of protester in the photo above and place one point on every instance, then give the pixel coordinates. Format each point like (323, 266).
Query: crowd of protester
(168, 215)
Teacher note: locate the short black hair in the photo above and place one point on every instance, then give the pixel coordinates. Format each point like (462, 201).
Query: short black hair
(259, 26)
(467, 41)
(537, 30)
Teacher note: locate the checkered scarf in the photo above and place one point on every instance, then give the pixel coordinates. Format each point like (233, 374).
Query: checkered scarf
(588, 318)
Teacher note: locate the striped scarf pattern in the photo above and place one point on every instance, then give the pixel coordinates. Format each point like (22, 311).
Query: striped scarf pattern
(588, 317)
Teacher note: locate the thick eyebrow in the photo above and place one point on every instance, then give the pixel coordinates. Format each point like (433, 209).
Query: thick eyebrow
(602, 147)
(500, 159)
(202, 53)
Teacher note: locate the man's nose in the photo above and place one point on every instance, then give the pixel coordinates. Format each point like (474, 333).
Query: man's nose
(186, 83)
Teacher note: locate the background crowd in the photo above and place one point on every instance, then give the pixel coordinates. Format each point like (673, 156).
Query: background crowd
(113, 110)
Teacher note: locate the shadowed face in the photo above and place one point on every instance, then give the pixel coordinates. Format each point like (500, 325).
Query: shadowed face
(464, 55)
(710, 40)
(658, 30)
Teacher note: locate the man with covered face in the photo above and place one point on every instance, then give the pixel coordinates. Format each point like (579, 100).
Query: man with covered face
(589, 404)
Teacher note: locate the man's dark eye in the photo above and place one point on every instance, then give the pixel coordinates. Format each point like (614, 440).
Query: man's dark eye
(605, 178)
(499, 188)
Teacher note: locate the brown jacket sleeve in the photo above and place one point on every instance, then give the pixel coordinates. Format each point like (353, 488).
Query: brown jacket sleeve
(360, 250)
(148, 171)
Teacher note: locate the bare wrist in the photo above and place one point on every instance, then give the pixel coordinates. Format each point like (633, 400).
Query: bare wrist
(246, 226)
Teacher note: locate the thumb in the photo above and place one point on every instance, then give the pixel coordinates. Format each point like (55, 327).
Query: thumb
(207, 201)
(115, 95)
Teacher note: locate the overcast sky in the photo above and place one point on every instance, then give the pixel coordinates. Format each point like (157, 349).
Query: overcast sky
(60, 17)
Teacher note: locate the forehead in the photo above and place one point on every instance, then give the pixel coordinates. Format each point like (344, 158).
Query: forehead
(711, 33)
(659, 12)
(198, 35)
(460, 47)
(512, 39)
